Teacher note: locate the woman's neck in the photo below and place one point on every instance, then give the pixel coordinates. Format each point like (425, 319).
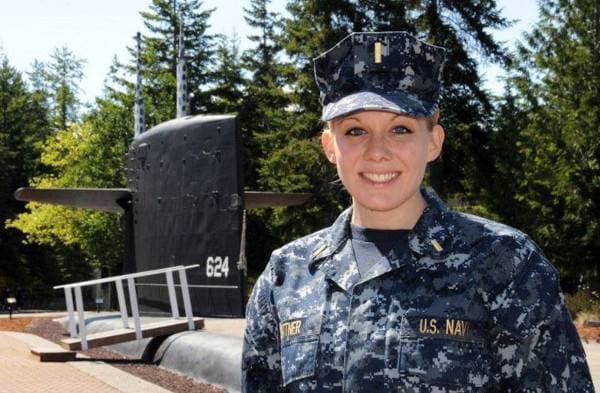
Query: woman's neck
(404, 216)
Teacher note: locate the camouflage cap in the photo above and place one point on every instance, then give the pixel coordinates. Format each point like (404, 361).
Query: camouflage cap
(391, 71)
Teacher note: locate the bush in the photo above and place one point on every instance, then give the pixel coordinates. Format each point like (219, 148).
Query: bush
(583, 304)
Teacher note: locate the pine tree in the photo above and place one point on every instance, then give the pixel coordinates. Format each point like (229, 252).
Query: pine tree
(40, 96)
(90, 153)
(20, 143)
(62, 74)
(263, 120)
(509, 119)
(262, 116)
(558, 78)
(227, 94)
(159, 57)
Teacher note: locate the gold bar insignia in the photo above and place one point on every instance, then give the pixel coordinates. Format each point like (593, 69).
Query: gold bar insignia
(436, 245)
(378, 48)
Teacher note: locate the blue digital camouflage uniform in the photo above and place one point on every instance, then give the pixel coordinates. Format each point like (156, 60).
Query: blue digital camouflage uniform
(473, 306)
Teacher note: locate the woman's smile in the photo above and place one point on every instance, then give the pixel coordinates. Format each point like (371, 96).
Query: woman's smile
(379, 178)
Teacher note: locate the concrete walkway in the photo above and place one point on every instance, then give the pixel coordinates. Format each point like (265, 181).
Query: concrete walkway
(22, 372)
(228, 326)
(592, 352)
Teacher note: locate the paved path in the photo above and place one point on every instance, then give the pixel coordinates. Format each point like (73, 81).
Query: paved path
(22, 372)
(228, 326)
(593, 357)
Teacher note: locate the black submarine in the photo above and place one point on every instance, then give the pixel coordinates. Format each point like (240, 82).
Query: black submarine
(184, 204)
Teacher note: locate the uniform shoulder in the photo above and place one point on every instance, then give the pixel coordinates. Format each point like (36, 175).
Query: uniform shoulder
(295, 256)
(500, 248)
(477, 229)
(305, 245)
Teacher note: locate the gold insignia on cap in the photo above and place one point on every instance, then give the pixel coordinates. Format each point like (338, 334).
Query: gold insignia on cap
(436, 245)
(378, 47)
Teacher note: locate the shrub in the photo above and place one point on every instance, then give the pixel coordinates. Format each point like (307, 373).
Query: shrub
(583, 304)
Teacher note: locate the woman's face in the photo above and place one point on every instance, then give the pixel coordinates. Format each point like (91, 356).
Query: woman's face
(381, 159)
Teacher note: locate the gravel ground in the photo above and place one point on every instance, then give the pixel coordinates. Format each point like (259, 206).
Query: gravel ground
(169, 380)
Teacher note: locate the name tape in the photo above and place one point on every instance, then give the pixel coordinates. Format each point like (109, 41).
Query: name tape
(290, 328)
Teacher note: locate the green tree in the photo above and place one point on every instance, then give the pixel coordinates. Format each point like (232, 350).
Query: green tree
(264, 120)
(558, 183)
(40, 96)
(227, 94)
(263, 114)
(87, 154)
(159, 57)
(79, 156)
(21, 120)
(509, 119)
(62, 75)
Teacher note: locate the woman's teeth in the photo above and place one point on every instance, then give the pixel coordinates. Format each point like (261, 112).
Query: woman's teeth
(380, 177)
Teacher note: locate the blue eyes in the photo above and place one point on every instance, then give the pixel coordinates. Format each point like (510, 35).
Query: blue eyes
(355, 131)
(400, 130)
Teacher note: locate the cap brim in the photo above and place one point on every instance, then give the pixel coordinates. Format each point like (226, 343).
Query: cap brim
(400, 102)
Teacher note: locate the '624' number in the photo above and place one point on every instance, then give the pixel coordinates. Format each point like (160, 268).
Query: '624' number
(217, 267)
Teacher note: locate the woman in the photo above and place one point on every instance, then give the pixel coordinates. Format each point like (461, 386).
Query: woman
(401, 294)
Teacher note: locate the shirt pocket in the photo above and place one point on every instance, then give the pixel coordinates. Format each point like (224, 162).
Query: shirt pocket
(443, 362)
(298, 358)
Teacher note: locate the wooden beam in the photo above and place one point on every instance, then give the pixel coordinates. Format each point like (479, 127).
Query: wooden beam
(53, 354)
(153, 329)
(591, 323)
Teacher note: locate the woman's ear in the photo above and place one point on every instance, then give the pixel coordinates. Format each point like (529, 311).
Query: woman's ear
(436, 141)
(327, 143)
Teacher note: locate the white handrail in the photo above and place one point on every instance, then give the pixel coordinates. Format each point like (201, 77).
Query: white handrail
(125, 276)
(130, 278)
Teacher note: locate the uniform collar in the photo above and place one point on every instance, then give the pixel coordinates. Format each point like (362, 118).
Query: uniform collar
(431, 236)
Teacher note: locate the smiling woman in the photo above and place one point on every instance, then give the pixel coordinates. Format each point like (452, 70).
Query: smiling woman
(401, 294)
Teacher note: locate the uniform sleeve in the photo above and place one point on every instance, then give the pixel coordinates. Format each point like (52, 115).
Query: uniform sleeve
(535, 346)
(261, 359)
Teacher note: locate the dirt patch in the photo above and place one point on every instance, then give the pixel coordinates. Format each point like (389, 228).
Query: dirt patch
(169, 380)
(16, 324)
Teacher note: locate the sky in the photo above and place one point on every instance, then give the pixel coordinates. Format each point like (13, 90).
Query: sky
(98, 30)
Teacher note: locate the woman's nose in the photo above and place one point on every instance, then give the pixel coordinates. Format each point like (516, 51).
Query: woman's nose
(377, 149)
